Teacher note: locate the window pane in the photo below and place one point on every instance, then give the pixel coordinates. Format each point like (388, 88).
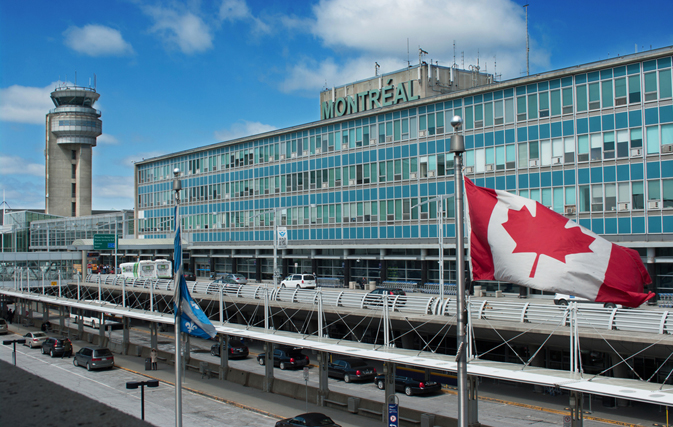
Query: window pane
(532, 106)
(555, 102)
(653, 192)
(665, 84)
(652, 139)
(581, 98)
(638, 199)
(634, 89)
(607, 93)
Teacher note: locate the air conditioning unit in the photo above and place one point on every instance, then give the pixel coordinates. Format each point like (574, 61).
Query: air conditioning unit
(570, 209)
(534, 163)
(653, 204)
(555, 160)
(668, 148)
(351, 182)
(412, 175)
(344, 146)
(389, 139)
(636, 152)
(271, 158)
(469, 169)
(305, 152)
(293, 155)
(325, 185)
(422, 133)
(431, 174)
(226, 196)
(282, 156)
(373, 141)
(318, 150)
(424, 215)
(440, 129)
(623, 206)
(489, 167)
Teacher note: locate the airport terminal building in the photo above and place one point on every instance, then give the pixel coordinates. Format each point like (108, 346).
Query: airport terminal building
(594, 142)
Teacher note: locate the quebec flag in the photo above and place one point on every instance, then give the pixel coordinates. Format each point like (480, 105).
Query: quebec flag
(192, 319)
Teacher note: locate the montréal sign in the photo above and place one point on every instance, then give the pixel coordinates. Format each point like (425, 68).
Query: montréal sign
(368, 100)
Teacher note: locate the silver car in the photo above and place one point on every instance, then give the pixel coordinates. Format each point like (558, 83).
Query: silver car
(94, 358)
(34, 339)
(237, 278)
(4, 329)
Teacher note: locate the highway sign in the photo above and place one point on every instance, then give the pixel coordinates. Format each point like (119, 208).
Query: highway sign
(103, 242)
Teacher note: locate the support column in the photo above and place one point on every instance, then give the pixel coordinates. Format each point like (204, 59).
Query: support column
(389, 370)
(80, 324)
(45, 312)
(154, 335)
(472, 401)
(268, 367)
(101, 331)
(125, 335)
(323, 386)
(576, 406)
(61, 317)
(224, 356)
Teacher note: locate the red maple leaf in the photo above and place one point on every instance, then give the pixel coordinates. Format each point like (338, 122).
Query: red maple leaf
(545, 234)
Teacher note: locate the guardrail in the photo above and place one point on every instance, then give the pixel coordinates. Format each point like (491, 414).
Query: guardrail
(590, 317)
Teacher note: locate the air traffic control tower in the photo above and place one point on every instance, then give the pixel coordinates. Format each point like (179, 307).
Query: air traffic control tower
(72, 129)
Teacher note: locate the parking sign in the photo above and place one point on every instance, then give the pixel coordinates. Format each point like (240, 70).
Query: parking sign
(393, 417)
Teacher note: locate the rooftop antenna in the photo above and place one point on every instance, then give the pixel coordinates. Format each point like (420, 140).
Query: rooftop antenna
(421, 52)
(454, 55)
(462, 59)
(525, 6)
(408, 58)
(376, 68)
(94, 81)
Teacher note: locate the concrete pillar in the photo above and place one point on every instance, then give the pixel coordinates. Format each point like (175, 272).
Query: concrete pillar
(101, 331)
(61, 317)
(154, 335)
(224, 356)
(323, 386)
(45, 312)
(125, 335)
(576, 409)
(80, 324)
(268, 371)
(472, 401)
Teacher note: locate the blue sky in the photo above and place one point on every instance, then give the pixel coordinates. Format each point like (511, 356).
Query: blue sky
(174, 75)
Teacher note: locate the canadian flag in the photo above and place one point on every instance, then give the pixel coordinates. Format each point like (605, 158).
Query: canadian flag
(517, 240)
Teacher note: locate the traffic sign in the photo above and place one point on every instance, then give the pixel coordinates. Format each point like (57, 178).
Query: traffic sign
(103, 242)
(305, 373)
(567, 421)
(393, 417)
(282, 237)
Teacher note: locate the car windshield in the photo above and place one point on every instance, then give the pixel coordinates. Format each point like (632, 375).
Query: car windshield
(39, 334)
(235, 343)
(309, 277)
(103, 352)
(295, 353)
(357, 363)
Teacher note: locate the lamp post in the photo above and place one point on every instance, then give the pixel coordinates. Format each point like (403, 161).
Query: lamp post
(440, 215)
(177, 187)
(458, 148)
(142, 384)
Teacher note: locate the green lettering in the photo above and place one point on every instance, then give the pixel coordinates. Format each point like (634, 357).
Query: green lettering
(361, 100)
(388, 93)
(352, 105)
(374, 99)
(400, 94)
(340, 107)
(327, 110)
(412, 97)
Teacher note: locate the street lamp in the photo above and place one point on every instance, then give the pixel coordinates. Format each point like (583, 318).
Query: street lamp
(142, 384)
(8, 342)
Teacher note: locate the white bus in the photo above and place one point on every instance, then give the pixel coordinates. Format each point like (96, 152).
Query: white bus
(93, 319)
(157, 269)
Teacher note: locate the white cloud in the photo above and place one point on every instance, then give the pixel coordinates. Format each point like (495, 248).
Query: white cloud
(23, 193)
(241, 129)
(97, 40)
(185, 30)
(23, 104)
(112, 192)
(14, 165)
(381, 27)
(106, 138)
(233, 10)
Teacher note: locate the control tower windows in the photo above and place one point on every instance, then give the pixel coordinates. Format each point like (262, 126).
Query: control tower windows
(73, 154)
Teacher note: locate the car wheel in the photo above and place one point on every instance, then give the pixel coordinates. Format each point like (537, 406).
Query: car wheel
(51, 353)
(610, 305)
(212, 352)
(74, 362)
(562, 302)
(282, 285)
(347, 378)
(260, 361)
(407, 391)
(88, 366)
(381, 385)
(282, 366)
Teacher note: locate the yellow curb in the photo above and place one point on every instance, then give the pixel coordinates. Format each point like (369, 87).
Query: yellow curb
(203, 393)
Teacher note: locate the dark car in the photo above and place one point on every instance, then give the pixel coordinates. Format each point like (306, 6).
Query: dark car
(94, 358)
(408, 385)
(395, 296)
(285, 358)
(189, 276)
(311, 419)
(57, 347)
(236, 349)
(351, 370)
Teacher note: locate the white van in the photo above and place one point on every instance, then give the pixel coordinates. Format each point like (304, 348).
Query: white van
(564, 299)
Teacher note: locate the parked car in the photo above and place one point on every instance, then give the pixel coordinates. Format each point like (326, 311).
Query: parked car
(564, 299)
(408, 385)
(303, 281)
(311, 419)
(351, 370)
(395, 295)
(236, 278)
(236, 349)
(285, 358)
(94, 358)
(189, 276)
(4, 329)
(34, 339)
(57, 347)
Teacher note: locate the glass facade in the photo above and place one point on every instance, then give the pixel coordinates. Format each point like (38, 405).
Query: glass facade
(594, 143)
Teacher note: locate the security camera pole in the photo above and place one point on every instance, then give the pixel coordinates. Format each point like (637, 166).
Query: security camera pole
(458, 148)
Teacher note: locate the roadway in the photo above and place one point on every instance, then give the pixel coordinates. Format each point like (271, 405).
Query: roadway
(220, 403)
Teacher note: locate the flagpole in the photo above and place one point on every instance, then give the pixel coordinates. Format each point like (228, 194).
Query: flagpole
(177, 186)
(457, 148)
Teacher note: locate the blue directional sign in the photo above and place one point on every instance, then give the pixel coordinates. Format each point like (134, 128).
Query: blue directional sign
(393, 415)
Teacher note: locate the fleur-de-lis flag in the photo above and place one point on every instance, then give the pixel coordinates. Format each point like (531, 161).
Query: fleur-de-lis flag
(192, 319)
